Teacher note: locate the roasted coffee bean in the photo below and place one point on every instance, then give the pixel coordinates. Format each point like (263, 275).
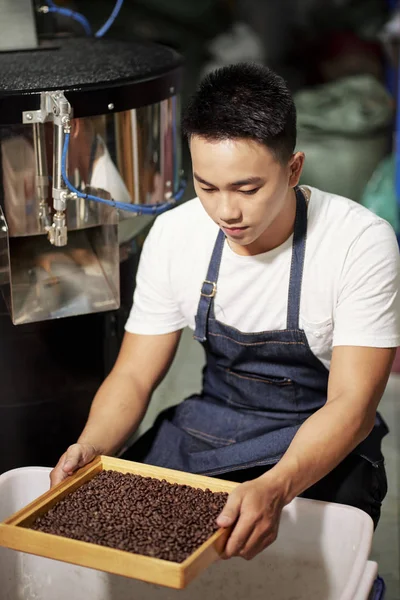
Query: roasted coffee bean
(137, 514)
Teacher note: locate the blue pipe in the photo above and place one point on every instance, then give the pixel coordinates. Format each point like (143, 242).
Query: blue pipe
(140, 209)
(110, 20)
(66, 12)
(54, 8)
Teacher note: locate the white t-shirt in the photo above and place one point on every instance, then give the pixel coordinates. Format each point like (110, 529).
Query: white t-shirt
(350, 290)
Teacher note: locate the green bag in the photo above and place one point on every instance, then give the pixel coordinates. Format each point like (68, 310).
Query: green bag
(380, 193)
(344, 130)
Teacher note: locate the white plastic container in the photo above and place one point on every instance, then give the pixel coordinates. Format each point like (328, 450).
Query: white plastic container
(321, 554)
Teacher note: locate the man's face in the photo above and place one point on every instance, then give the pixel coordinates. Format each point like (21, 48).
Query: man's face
(241, 185)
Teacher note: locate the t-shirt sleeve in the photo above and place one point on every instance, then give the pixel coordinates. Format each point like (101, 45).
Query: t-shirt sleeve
(155, 310)
(368, 306)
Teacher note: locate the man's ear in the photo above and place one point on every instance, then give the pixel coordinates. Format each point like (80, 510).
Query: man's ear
(296, 164)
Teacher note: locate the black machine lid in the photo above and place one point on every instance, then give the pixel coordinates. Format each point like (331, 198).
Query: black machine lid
(98, 76)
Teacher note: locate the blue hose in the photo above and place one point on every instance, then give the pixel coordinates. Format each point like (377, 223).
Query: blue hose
(83, 21)
(110, 20)
(66, 12)
(140, 209)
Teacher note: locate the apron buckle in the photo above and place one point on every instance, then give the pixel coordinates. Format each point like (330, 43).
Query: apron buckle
(213, 290)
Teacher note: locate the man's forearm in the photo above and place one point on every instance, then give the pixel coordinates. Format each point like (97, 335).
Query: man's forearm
(117, 410)
(321, 443)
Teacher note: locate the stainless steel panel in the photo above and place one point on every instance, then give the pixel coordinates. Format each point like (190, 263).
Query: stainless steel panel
(148, 151)
(134, 156)
(83, 277)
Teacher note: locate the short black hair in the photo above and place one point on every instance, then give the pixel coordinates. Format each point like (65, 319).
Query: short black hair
(244, 101)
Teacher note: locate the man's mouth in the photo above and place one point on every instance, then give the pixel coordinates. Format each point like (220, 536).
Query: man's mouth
(234, 231)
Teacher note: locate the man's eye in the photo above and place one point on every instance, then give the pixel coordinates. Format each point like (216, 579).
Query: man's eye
(249, 192)
(208, 189)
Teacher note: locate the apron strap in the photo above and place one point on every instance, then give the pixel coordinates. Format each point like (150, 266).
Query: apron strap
(298, 254)
(209, 289)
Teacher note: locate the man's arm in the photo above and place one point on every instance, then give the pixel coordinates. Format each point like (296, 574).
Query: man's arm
(357, 380)
(121, 402)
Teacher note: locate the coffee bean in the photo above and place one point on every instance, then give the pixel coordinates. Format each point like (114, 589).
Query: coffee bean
(136, 514)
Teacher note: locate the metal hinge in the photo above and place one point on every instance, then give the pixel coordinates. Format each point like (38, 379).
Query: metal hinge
(54, 107)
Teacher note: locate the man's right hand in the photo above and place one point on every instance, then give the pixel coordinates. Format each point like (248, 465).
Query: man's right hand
(77, 455)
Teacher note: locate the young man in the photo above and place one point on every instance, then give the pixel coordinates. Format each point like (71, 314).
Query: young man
(294, 294)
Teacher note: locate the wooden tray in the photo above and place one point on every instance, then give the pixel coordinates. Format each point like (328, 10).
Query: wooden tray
(15, 534)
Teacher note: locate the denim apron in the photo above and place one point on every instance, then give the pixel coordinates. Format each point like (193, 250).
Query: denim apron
(258, 388)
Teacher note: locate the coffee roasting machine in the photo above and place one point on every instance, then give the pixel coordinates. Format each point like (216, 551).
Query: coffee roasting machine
(89, 154)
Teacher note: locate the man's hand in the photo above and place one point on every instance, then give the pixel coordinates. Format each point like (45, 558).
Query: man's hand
(254, 508)
(77, 455)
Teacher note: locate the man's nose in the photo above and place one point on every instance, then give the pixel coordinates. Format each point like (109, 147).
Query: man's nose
(228, 208)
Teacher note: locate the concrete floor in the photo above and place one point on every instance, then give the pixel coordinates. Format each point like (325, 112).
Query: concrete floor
(184, 379)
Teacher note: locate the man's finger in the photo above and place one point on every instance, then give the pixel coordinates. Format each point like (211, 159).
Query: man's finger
(231, 510)
(57, 474)
(77, 455)
(239, 536)
(252, 553)
(258, 541)
(73, 459)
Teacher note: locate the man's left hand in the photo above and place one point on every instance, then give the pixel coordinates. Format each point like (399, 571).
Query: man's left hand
(254, 509)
